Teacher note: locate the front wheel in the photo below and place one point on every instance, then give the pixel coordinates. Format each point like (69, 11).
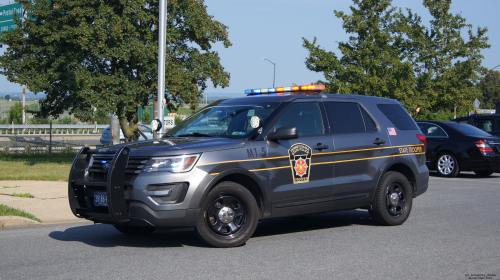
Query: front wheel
(229, 216)
(447, 165)
(393, 200)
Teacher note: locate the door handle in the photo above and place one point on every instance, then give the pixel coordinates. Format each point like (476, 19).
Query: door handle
(320, 147)
(379, 141)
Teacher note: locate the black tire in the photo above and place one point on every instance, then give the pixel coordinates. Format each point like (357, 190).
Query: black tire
(393, 200)
(447, 165)
(483, 173)
(134, 230)
(229, 216)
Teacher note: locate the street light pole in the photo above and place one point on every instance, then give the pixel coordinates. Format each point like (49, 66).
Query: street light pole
(161, 64)
(274, 77)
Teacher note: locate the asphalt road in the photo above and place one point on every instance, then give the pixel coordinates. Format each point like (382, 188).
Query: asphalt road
(453, 233)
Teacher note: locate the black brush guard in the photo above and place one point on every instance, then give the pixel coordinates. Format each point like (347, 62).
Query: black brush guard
(115, 188)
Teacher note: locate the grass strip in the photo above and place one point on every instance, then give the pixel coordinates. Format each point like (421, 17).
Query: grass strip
(38, 167)
(8, 211)
(28, 195)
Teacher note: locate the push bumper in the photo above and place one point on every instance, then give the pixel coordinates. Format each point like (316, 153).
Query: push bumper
(119, 209)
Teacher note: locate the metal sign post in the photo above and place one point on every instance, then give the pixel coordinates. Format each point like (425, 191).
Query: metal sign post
(161, 64)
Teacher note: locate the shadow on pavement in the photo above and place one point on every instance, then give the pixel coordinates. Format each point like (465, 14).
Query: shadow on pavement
(101, 235)
(313, 222)
(467, 175)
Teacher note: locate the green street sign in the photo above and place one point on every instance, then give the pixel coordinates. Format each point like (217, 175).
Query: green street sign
(7, 13)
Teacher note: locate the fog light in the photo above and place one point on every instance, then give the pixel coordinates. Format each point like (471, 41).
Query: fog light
(167, 193)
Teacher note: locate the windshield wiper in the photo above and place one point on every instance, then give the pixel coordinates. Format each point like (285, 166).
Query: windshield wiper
(196, 134)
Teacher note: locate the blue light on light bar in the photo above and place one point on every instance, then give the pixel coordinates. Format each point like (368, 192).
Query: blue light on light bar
(256, 90)
(272, 90)
(248, 91)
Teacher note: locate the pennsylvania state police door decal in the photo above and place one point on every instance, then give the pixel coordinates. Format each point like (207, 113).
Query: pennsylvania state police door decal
(300, 161)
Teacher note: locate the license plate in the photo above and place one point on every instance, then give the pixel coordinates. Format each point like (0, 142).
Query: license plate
(100, 199)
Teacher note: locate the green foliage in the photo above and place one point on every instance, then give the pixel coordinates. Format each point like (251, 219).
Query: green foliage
(490, 89)
(16, 113)
(7, 97)
(104, 54)
(39, 120)
(393, 55)
(441, 115)
(67, 120)
(101, 116)
(8, 211)
(146, 116)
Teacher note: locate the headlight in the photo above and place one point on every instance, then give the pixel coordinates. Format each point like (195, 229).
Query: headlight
(174, 164)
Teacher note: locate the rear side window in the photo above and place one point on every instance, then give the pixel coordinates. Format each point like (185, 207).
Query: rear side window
(348, 117)
(485, 124)
(398, 116)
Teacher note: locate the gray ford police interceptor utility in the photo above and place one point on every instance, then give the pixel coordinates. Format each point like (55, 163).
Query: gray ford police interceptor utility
(278, 152)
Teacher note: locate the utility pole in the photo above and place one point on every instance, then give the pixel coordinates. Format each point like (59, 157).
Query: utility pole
(24, 105)
(161, 64)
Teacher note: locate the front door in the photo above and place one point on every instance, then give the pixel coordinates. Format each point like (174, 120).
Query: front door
(301, 170)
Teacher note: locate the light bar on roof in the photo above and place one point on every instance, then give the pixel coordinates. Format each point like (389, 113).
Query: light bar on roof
(291, 90)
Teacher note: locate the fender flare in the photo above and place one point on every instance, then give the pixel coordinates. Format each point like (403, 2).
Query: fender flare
(210, 183)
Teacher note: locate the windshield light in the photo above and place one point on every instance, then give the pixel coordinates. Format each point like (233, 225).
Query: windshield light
(175, 164)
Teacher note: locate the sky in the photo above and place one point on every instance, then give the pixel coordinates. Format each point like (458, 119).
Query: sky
(273, 29)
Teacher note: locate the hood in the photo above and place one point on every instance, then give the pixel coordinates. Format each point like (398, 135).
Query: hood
(178, 146)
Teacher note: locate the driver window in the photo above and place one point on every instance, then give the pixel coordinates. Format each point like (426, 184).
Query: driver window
(305, 116)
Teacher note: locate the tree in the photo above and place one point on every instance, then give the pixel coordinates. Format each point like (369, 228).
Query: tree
(393, 55)
(16, 113)
(104, 54)
(372, 61)
(490, 89)
(7, 97)
(447, 67)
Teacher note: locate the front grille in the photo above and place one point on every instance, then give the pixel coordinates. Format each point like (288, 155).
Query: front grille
(100, 164)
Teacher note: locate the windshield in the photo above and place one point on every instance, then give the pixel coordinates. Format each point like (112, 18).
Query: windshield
(469, 129)
(229, 121)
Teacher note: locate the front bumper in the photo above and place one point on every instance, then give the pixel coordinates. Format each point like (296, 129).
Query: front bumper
(121, 209)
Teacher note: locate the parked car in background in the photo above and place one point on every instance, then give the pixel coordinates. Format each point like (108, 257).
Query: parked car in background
(106, 134)
(488, 123)
(453, 147)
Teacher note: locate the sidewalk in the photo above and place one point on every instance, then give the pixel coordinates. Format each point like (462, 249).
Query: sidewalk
(50, 203)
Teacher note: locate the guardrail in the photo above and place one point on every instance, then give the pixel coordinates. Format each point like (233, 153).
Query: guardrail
(57, 129)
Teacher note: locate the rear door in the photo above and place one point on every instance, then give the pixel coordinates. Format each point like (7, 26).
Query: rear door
(360, 149)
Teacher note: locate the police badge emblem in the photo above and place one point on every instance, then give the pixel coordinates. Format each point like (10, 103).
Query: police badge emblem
(300, 161)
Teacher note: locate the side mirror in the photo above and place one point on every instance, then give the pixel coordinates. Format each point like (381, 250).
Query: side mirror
(284, 133)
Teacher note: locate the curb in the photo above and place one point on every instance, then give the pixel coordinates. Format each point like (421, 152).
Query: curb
(15, 221)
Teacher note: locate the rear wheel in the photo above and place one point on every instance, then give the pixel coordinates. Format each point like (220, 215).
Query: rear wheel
(229, 216)
(134, 230)
(393, 200)
(447, 165)
(483, 173)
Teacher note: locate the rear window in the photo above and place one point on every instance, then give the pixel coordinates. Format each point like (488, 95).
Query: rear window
(347, 117)
(468, 129)
(398, 116)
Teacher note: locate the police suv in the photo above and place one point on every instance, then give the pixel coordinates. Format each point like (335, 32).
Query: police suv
(278, 152)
